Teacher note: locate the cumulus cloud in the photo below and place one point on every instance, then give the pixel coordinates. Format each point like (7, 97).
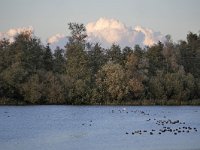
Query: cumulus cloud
(12, 33)
(109, 31)
(104, 31)
(57, 40)
(151, 37)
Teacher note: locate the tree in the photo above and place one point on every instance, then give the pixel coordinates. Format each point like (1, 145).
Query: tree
(86, 73)
(4, 54)
(112, 79)
(156, 58)
(114, 54)
(4, 63)
(28, 50)
(53, 89)
(13, 77)
(190, 54)
(78, 32)
(135, 74)
(125, 53)
(48, 58)
(96, 58)
(77, 63)
(138, 51)
(156, 87)
(59, 61)
(197, 88)
(33, 90)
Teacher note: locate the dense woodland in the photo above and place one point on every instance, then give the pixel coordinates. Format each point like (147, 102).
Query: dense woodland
(86, 73)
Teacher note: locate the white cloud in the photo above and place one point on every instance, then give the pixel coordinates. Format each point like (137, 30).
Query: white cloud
(57, 40)
(151, 37)
(109, 31)
(105, 31)
(12, 33)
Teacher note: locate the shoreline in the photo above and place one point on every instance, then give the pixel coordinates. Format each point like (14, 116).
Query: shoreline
(195, 102)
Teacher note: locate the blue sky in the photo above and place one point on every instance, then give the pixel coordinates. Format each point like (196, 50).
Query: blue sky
(49, 17)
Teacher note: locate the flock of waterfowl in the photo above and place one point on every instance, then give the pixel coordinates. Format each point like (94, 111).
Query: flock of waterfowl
(163, 125)
(163, 130)
(89, 123)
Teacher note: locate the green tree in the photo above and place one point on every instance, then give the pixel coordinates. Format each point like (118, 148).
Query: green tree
(136, 73)
(156, 58)
(77, 64)
(78, 32)
(13, 77)
(4, 54)
(125, 53)
(171, 55)
(190, 54)
(22, 58)
(29, 51)
(33, 90)
(53, 89)
(112, 79)
(48, 58)
(114, 54)
(156, 87)
(59, 62)
(138, 51)
(4, 63)
(96, 58)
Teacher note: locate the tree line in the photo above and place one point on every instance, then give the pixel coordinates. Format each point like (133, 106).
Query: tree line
(86, 73)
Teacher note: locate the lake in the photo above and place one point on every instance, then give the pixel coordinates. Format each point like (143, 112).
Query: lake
(99, 128)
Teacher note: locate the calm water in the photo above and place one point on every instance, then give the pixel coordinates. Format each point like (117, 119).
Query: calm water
(99, 128)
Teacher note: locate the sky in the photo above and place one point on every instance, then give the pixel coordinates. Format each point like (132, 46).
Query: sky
(135, 19)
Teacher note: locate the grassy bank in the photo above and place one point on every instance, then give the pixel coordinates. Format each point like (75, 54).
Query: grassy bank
(195, 102)
(6, 101)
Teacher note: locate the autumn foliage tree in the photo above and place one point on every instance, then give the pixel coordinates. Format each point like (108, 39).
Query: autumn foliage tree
(86, 73)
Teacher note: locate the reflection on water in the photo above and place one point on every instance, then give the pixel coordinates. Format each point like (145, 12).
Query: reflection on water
(99, 127)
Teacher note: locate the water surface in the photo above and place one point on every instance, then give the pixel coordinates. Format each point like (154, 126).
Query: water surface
(98, 128)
